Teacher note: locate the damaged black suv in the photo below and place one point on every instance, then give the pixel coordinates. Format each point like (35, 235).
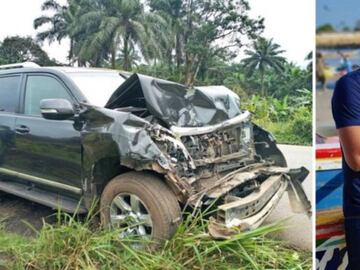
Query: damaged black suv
(144, 148)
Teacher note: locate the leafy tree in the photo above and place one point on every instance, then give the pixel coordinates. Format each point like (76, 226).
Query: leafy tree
(208, 24)
(357, 26)
(119, 24)
(200, 28)
(19, 49)
(59, 23)
(133, 58)
(173, 11)
(309, 57)
(325, 28)
(264, 55)
(346, 29)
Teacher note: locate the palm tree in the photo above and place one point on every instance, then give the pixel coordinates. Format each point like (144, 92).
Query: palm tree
(172, 11)
(264, 55)
(116, 24)
(60, 23)
(58, 29)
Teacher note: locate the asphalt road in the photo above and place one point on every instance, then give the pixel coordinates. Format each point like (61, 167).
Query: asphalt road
(16, 210)
(299, 230)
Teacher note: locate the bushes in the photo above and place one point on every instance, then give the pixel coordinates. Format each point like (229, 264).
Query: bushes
(289, 119)
(301, 125)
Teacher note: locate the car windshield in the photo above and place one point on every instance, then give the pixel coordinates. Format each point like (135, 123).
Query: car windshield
(97, 87)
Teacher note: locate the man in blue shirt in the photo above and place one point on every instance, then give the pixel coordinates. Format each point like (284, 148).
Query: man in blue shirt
(346, 113)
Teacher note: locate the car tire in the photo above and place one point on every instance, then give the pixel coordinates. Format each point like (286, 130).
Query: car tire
(155, 197)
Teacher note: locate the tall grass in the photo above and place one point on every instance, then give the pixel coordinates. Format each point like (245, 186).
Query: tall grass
(73, 244)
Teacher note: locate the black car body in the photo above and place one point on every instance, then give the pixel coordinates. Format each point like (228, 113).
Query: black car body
(59, 149)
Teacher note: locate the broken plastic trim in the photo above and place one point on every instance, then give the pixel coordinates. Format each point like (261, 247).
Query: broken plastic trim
(233, 219)
(249, 212)
(190, 131)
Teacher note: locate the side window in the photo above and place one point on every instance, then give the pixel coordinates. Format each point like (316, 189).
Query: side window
(9, 93)
(42, 87)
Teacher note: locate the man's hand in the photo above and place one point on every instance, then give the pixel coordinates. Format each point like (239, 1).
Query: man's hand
(350, 143)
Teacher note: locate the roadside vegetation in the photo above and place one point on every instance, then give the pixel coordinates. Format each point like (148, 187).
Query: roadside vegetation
(181, 41)
(71, 244)
(289, 118)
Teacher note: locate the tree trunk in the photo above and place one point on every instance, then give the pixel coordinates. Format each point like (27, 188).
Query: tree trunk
(169, 60)
(195, 74)
(262, 84)
(71, 51)
(113, 57)
(188, 56)
(126, 53)
(188, 67)
(178, 51)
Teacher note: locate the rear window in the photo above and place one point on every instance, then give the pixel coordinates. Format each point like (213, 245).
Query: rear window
(9, 93)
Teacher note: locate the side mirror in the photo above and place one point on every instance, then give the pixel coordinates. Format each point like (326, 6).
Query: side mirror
(56, 109)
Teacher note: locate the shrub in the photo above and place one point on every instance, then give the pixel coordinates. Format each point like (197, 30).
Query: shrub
(289, 118)
(301, 124)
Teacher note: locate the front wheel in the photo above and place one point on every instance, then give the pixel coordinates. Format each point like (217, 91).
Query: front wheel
(141, 204)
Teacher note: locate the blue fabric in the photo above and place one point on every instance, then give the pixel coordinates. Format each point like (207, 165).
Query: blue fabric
(346, 112)
(346, 101)
(352, 235)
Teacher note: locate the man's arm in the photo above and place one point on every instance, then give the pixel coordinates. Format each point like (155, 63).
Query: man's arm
(350, 142)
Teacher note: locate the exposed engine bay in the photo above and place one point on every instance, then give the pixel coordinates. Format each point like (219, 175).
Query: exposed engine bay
(206, 147)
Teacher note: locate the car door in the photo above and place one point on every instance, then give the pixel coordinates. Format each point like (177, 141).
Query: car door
(9, 106)
(47, 150)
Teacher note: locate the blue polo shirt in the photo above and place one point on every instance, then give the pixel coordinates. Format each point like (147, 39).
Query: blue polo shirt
(346, 112)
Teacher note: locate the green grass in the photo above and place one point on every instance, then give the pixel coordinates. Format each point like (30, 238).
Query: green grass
(72, 244)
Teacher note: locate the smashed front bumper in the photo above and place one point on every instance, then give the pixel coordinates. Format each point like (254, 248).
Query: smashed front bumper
(249, 212)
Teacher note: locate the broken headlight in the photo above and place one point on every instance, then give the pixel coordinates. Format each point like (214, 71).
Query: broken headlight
(246, 133)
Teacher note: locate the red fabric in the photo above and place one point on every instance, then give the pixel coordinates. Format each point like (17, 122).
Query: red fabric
(328, 153)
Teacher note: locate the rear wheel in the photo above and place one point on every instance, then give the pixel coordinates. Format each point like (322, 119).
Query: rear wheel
(141, 204)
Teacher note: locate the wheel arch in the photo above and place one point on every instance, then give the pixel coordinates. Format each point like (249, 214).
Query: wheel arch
(105, 169)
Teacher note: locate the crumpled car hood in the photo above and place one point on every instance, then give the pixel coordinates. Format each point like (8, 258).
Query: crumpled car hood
(175, 104)
(122, 134)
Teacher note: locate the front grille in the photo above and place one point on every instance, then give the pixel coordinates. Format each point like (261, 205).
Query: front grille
(221, 146)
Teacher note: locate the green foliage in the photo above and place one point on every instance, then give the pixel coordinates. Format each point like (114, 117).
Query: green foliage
(301, 124)
(278, 84)
(184, 34)
(207, 24)
(289, 118)
(72, 244)
(357, 26)
(264, 55)
(22, 49)
(325, 28)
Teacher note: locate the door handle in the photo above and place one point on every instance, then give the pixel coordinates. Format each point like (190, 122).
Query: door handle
(22, 129)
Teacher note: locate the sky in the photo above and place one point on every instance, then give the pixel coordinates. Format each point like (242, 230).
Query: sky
(291, 23)
(19, 21)
(338, 13)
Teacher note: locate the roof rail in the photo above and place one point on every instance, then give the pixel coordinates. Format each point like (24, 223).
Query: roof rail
(19, 65)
